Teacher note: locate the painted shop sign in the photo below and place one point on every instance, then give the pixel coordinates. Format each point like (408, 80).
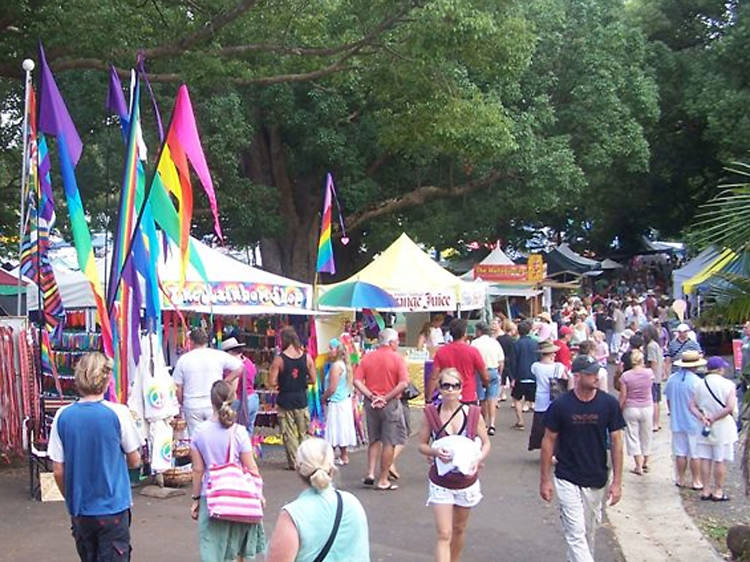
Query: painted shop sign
(227, 293)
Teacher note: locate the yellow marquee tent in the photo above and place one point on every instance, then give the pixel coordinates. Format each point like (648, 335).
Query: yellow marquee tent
(416, 281)
(712, 267)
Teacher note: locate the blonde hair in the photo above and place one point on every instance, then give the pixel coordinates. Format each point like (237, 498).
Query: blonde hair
(92, 373)
(341, 354)
(222, 397)
(450, 372)
(636, 357)
(314, 462)
(508, 326)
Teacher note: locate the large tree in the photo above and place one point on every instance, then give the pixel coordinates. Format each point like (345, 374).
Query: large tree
(454, 120)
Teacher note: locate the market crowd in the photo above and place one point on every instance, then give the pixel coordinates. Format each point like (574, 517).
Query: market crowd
(554, 368)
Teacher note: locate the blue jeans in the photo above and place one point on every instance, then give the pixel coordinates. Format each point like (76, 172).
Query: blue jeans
(253, 404)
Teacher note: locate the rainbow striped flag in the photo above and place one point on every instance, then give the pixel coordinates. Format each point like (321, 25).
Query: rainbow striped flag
(325, 247)
(54, 119)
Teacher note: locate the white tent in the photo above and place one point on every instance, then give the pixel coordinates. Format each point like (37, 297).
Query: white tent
(499, 290)
(691, 268)
(495, 257)
(233, 287)
(417, 281)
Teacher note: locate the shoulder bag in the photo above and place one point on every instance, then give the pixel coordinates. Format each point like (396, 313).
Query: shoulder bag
(734, 413)
(336, 522)
(233, 493)
(557, 385)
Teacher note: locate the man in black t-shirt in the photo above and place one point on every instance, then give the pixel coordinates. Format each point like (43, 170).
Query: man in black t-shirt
(576, 429)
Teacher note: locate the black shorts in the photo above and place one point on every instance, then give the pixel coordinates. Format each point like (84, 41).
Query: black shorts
(524, 390)
(103, 537)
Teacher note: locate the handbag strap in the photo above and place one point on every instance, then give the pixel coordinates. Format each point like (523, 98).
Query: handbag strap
(230, 449)
(712, 394)
(336, 522)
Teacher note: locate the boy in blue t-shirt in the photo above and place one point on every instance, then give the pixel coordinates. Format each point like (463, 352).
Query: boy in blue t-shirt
(92, 444)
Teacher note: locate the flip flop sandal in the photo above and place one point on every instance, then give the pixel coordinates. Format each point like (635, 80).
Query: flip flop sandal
(721, 498)
(706, 498)
(393, 475)
(368, 481)
(388, 488)
(518, 426)
(491, 430)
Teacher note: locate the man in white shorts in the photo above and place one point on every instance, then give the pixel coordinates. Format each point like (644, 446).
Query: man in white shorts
(685, 426)
(714, 403)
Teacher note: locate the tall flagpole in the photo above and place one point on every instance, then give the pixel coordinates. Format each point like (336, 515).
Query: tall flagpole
(28, 66)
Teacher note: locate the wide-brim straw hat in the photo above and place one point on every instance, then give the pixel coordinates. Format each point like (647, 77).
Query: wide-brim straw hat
(547, 347)
(690, 358)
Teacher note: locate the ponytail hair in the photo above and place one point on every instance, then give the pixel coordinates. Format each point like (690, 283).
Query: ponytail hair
(221, 399)
(315, 463)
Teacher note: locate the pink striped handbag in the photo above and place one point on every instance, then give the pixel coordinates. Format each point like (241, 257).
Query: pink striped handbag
(233, 493)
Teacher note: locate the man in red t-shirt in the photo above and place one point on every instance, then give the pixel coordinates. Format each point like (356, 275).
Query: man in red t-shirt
(563, 354)
(381, 377)
(462, 357)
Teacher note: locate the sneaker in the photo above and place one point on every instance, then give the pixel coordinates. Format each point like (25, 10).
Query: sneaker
(525, 408)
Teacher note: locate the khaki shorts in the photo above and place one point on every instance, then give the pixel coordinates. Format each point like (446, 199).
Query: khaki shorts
(386, 424)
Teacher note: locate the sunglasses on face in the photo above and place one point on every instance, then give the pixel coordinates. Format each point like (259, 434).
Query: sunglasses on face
(450, 386)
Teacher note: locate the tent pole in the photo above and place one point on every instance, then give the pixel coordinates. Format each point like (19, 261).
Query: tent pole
(28, 66)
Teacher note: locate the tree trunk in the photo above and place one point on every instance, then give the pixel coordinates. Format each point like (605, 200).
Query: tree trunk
(294, 252)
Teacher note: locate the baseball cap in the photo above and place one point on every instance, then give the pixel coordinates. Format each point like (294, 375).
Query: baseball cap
(585, 364)
(565, 330)
(682, 328)
(715, 363)
(627, 333)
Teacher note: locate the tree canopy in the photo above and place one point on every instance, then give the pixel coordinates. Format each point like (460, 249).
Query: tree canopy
(453, 120)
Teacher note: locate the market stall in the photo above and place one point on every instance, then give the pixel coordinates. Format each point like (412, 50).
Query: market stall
(419, 285)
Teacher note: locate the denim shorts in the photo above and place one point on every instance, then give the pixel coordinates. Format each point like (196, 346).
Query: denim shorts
(493, 391)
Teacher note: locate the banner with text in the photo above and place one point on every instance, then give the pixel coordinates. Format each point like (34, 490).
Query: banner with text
(229, 293)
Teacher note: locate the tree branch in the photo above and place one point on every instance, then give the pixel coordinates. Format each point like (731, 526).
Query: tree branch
(420, 196)
(210, 28)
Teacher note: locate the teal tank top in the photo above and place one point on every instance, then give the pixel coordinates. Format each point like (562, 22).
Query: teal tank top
(313, 514)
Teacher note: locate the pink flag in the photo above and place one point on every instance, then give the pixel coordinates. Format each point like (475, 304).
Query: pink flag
(186, 133)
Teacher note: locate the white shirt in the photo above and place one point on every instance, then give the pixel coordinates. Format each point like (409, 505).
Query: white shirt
(197, 370)
(436, 337)
(723, 431)
(490, 350)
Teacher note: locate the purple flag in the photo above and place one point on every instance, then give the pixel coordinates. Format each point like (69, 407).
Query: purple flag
(115, 98)
(54, 118)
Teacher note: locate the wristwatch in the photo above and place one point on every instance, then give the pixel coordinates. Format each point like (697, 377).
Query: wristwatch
(195, 498)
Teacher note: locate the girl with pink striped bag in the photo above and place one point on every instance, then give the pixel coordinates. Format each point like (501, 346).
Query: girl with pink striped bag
(227, 487)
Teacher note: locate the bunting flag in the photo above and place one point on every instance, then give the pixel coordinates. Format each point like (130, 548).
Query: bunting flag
(39, 221)
(182, 146)
(55, 120)
(325, 247)
(124, 297)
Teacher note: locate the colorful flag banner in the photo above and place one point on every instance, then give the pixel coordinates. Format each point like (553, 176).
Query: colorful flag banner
(54, 119)
(325, 261)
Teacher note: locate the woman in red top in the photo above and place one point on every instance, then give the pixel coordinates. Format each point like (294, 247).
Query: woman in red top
(453, 494)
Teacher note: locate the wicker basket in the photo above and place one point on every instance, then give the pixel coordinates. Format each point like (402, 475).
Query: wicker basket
(181, 450)
(177, 477)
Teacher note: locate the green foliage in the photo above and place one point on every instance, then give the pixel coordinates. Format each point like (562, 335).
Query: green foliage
(595, 116)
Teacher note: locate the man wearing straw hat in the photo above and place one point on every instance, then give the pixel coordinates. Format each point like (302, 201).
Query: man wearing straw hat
(685, 427)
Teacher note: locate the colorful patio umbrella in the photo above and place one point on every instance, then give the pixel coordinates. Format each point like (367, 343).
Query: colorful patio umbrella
(357, 294)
